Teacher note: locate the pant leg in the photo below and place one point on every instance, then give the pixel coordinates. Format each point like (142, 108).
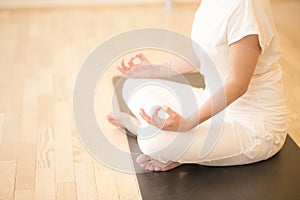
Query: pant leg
(234, 145)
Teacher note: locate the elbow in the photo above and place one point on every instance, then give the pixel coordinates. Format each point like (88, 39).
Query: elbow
(238, 87)
(243, 89)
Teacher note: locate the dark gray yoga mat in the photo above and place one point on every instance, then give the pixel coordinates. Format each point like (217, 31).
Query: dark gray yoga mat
(275, 178)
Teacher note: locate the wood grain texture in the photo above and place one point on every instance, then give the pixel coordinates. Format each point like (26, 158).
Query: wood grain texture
(63, 146)
(25, 177)
(45, 186)
(24, 195)
(126, 182)
(11, 127)
(85, 180)
(66, 190)
(1, 124)
(106, 184)
(79, 151)
(45, 110)
(45, 148)
(7, 181)
(42, 50)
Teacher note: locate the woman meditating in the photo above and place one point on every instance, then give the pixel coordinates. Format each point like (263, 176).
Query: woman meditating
(240, 39)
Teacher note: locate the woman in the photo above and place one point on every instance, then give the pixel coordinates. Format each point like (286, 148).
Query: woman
(239, 37)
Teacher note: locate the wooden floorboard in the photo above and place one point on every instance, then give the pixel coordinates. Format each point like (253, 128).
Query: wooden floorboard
(41, 156)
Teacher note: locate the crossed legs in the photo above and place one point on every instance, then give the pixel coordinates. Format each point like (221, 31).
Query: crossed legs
(124, 120)
(165, 150)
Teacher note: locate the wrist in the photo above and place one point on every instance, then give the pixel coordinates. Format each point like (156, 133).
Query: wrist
(190, 122)
(186, 124)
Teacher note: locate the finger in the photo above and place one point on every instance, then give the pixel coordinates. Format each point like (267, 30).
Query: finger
(124, 67)
(146, 117)
(131, 61)
(142, 57)
(121, 69)
(155, 116)
(111, 120)
(156, 120)
(170, 112)
(156, 110)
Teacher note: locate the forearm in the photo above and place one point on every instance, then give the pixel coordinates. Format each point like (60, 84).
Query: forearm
(243, 57)
(144, 69)
(216, 103)
(178, 66)
(171, 68)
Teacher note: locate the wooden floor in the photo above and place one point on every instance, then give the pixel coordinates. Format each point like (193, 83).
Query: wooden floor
(41, 156)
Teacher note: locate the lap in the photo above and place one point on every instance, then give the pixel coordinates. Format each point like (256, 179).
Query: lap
(219, 141)
(147, 93)
(233, 146)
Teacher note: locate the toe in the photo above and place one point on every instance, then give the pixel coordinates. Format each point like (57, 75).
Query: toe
(171, 166)
(143, 159)
(157, 169)
(151, 168)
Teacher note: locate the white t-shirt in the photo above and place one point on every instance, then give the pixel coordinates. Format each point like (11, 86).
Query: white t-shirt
(219, 23)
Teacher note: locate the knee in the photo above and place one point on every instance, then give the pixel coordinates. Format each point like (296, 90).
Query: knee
(153, 145)
(149, 139)
(158, 148)
(156, 143)
(147, 146)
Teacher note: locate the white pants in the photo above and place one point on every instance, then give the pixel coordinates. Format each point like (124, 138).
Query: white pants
(220, 141)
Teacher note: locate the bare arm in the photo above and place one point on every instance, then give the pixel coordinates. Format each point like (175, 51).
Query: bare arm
(138, 66)
(180, 66)
(243, 56)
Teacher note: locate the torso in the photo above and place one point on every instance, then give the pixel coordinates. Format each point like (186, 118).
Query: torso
(264, 96)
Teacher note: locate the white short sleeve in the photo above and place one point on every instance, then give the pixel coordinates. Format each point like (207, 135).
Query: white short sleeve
(247, 18)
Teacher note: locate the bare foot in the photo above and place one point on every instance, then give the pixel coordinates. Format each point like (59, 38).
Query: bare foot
(151, 164)
(115, 121)
(124, 120)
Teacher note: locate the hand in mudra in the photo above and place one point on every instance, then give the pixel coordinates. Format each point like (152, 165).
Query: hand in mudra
(174, 122)
(137, 66)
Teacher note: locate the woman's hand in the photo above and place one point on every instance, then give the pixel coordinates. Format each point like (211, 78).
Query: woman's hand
(174, 122)
(138, 66)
